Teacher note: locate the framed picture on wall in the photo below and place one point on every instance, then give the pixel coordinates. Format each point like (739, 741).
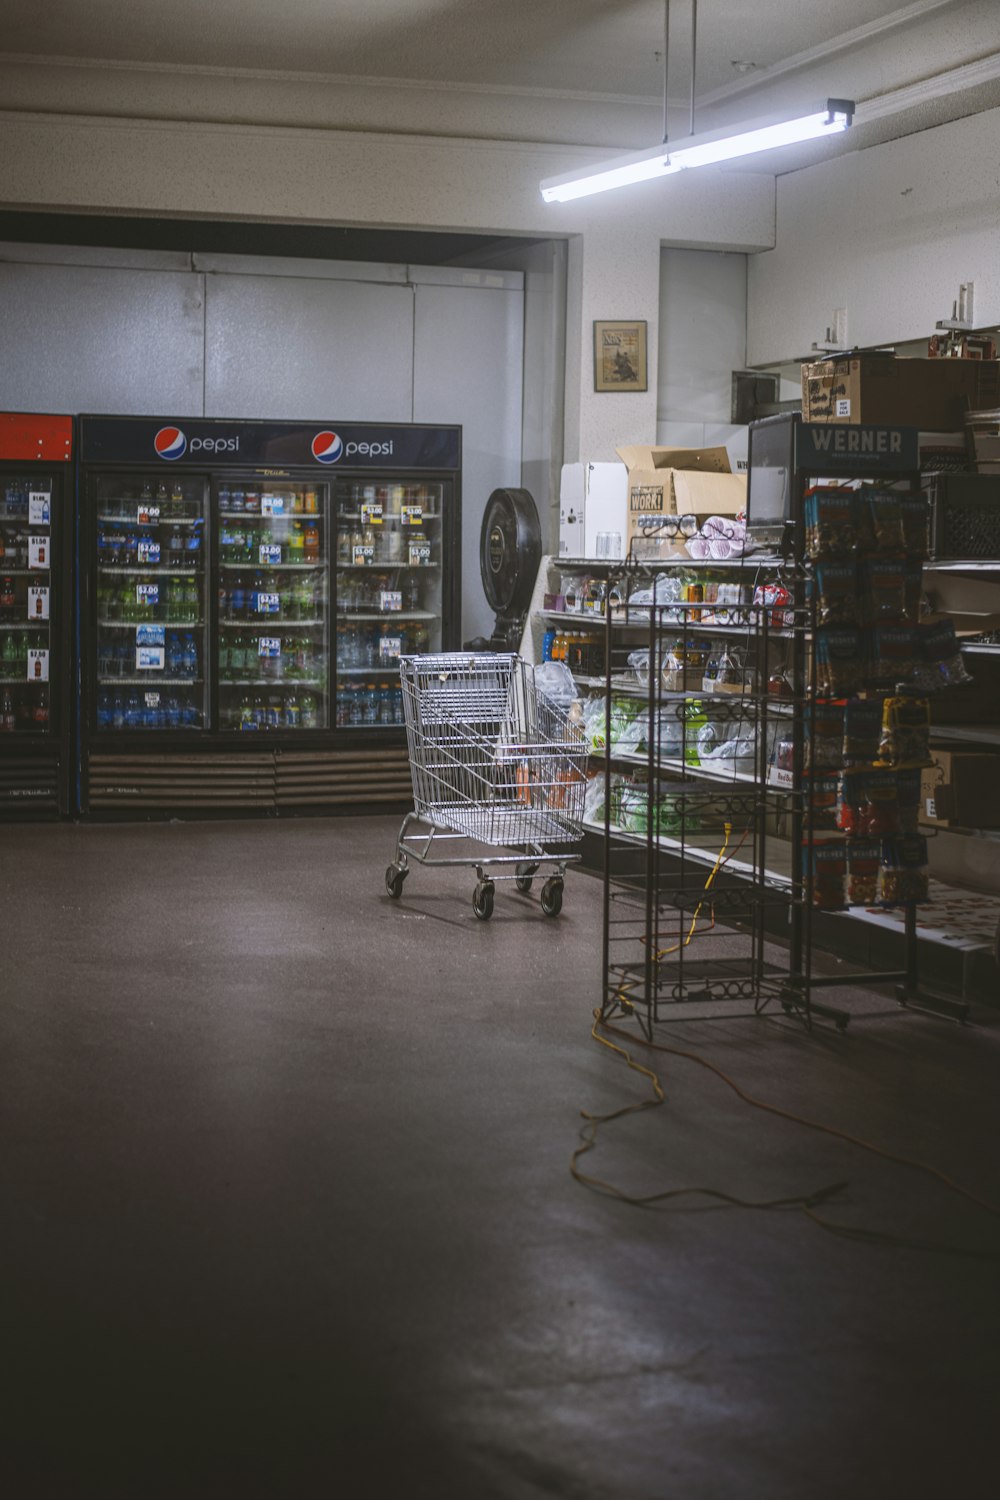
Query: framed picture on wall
(620, 356)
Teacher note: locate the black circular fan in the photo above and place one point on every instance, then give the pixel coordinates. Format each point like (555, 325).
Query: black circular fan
(510, 549)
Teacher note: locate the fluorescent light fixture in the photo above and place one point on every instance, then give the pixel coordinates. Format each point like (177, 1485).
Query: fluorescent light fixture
(698, 151)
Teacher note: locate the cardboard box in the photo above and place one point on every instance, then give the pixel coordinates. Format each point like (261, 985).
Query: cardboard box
(679, 482)
(932, 394)
(961, 790)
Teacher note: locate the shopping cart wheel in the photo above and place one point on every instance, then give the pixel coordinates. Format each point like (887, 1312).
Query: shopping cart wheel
(552, 896)
(482, 900)
(522, 878)
(394, 877)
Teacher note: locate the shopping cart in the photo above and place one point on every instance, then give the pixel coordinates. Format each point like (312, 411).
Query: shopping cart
(493, 763)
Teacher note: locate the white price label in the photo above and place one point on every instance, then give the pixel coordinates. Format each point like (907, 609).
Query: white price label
(420, 554)
(147, 593)
(389, 648)
(39, 512)
(390, 599)
(843, 407)
(149, 658)
(371, 513)
(412, 515)
(38, 552)
(272, 505)
(38, 665)
(270, 552)
(268, 645)
(38, 603)
(148, 551)
(152, 700)
(363, 556)
(147, 515)
(266, 604)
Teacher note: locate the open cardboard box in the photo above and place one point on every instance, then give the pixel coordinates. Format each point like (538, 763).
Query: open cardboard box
(679, 482)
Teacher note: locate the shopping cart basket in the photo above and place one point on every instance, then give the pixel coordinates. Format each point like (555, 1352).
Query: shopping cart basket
(493, 763)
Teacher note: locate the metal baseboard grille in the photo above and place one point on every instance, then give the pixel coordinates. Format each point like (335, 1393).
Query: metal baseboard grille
(29, 785)
(194, 782)
(337, 778)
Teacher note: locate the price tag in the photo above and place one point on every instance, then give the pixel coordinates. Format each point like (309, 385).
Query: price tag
(148, 552)
(38, 552)
(150, 635)
(152, 700)
(38, 603)
(371, 513)
(268, 645)
(270, 552)
(363, 556)
(272, 505)
(390, 599)
(39, 513)
(420, 554)
(266, 604)
(38, 665)
(389, 647)
(149, 658)
(411, 515)
(148, 515)
(147, 593)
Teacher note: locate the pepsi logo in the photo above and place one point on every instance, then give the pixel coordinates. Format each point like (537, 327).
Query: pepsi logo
(327, 447)
(170, 443)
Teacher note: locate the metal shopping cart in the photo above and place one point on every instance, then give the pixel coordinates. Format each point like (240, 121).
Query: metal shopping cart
(493, 763)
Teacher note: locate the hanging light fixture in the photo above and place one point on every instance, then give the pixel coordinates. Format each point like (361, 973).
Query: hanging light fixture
(696, 150)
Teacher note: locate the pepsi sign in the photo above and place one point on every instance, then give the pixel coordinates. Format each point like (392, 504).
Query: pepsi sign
(211, 444)
(170, 443)
(327, 448)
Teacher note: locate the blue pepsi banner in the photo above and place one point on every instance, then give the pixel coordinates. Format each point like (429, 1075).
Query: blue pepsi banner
(205, 443)
(848, 448)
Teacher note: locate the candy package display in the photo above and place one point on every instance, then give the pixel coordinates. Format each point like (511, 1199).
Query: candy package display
(829, 873)
(881, 518)
(906, 721)
(869, 804)
(838, 601)
(903, 870)
(884, 587)
(839, 665)
(915, 515)
(862, 731)
(939, 658)
(831, 522)
(824, 738)
(891, 654)
(864, 857)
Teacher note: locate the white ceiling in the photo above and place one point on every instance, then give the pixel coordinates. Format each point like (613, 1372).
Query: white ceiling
(522, 56)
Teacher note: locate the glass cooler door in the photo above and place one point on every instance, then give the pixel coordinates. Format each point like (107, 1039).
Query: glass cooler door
(27, 572)
(151, 625)
(274, 632)
(389, 592)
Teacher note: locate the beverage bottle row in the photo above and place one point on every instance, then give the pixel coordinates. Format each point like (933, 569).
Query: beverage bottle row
(14, 651)
(116, 658)
(581, 650)
(170, 502)
(374, 546)
(300, 659)
(8, 600)
(24, 710)
(254, 713)
(363, 591)
(251, 595)
(298, 542)
(177, 603)
(389, 496)
(153, 710)
(362, 645)
(15, 500)
(15, 549)
(171, 547)
(244, 500)
(361, 704)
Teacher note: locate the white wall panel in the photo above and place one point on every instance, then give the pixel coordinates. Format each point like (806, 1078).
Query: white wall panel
(468, 359)
(702, 334)
(287, 347)
(100, 339)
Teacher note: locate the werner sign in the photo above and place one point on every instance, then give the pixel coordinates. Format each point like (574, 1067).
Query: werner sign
(822, 448)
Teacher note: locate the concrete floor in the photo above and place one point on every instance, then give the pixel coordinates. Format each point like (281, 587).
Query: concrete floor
(286, 1208)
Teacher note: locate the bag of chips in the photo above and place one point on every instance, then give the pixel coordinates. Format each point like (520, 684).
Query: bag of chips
(863, 867)
(915, 515)
(829, 871)
(903, 870)
(862, 731)
(939, 658)
(838, 600)
(881, 520)
(831, 522)
(884, 584)
(906, 723)
(839, 664)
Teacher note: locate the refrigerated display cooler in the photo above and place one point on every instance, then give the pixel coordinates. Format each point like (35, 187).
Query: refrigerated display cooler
(36, 516)
(247, 589)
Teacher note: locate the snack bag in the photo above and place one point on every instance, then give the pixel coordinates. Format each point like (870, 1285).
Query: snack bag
(863, 864)
(838, 600)
(862, 731)
(839, 663)
(906, 722)
(831, 522)
(903, 870)
(939, 658)
(829, 872)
